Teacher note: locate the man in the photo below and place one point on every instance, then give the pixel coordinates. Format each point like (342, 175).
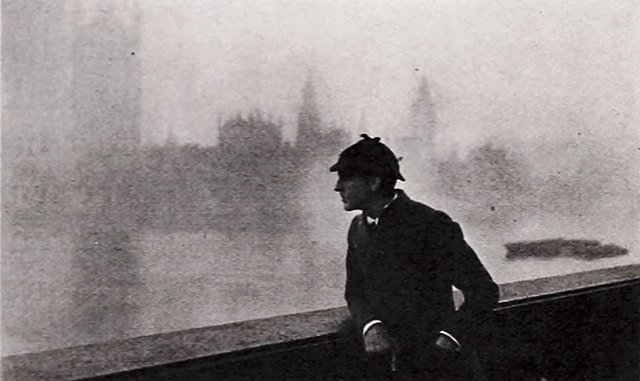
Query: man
(403, 258)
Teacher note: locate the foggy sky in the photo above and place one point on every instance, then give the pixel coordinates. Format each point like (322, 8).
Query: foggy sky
(560, 76)
(497, 70)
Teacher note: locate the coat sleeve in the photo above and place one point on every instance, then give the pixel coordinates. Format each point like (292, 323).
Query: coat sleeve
(481, 294)
(355, 295)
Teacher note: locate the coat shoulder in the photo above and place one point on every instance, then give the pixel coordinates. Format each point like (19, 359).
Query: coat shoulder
(424, 213)
(424, 217)
(356, 221)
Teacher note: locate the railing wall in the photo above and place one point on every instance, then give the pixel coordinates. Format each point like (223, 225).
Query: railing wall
(583, 326)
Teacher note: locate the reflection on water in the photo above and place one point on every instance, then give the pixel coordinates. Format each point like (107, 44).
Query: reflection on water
(104, 274)
(114, 284)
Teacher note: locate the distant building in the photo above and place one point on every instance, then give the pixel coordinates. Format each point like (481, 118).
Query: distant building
(253, 135)
(75, 96)
(313, 137)
(106, 85)
(309, 123)
(419, 136)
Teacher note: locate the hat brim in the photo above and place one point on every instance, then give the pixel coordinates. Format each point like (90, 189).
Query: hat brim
(338, 167)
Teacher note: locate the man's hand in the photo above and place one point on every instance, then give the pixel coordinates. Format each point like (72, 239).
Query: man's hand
(377, 340)
(446, 343)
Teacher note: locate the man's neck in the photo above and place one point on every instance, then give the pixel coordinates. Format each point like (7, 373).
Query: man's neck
(377, 205)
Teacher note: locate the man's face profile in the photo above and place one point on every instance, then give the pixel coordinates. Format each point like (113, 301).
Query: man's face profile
(354, 190)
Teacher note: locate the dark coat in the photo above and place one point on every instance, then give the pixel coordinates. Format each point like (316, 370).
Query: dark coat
(401, 272)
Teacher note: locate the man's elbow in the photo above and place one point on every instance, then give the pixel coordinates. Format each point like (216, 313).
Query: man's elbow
(493, 295)
(485, 296)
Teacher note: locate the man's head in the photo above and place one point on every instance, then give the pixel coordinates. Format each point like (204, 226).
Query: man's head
(367, 170)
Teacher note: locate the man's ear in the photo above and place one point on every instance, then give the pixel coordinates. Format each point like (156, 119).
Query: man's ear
(375, 183)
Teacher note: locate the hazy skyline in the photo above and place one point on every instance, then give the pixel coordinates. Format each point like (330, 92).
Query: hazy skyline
(541, 95)
(500, 70)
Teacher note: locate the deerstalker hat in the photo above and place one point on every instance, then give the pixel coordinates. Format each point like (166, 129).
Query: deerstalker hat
(370, 157)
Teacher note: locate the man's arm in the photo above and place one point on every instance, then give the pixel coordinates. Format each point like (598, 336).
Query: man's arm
(467, 273)
(357, 300)
(375, 336)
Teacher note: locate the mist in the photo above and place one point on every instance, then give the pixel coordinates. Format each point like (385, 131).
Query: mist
(165, 164)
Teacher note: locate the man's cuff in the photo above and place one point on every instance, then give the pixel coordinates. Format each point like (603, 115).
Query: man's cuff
(451, 337)
(371, 324)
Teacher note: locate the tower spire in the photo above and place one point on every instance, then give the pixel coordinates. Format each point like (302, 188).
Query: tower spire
(309, 123)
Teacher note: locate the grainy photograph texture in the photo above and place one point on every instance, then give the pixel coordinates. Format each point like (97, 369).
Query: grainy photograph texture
(406, 190)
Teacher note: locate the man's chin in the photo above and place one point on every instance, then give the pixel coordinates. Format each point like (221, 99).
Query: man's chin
(348, 207)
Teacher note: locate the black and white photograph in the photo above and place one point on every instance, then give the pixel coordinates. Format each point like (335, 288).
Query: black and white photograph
(428, 190)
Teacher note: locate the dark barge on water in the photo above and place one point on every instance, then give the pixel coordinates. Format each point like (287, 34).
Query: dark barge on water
(559, 247)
